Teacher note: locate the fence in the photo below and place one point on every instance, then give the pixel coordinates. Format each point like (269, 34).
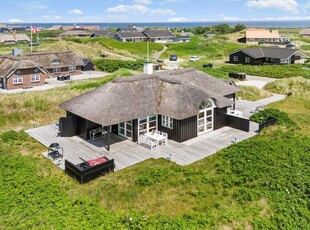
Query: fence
(267, 123)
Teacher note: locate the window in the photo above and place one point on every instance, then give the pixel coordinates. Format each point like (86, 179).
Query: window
(247, 60)
(56, 62)
(272, 59)
(267, 59)
(262, 39)
(35, 78)
(235, 58)
(57, 70)
(72, 68)
(251, 39)
(147, 124)
(167, 122)
(18, 80)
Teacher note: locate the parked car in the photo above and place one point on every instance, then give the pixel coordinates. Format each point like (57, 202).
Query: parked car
(173, 57)
(290, 45)
(194, 58)
(160, 60)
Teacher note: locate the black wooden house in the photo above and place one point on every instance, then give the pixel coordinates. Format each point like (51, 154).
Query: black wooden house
(183, 103)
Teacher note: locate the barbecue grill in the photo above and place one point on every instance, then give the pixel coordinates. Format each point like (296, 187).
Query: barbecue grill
(55, 151)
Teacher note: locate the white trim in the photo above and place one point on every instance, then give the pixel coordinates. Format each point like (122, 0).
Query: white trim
(36, 78)
(58, 70)
(166, 122)
(147, 122)
(205, 117)
(18, 80)
(72, 68)
(236, 58)
(125, 129)
(247, 59)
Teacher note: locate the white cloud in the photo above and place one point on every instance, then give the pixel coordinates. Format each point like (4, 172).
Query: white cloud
(229, 18)
(15, 20)
(181, 19)
(144, 2)
(32, 6)
(162, 12)
(75, 11)
(284, 5)
(58, 17)
(132, 9)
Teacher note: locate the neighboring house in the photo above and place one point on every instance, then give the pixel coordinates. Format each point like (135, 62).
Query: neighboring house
(58, 62)
(182, 39)
(31, 69)
(159, 36)
(88, 65)
(189, 34)
(13, 38)
(267, 55)
(183, 103)
(130, 28)
(66, 28)
(4, 30)
(75, 33)
(305, 33)
(18, 73)
(210, 35)
(258, 36)
(131, 36)
(103, 33)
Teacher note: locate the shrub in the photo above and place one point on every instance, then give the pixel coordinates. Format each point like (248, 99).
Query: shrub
(111, 65)
(266, 114)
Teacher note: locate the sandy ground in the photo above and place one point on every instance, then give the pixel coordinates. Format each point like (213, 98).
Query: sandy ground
(256, 81)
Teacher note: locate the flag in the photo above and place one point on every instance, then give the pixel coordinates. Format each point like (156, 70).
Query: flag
(34, 29)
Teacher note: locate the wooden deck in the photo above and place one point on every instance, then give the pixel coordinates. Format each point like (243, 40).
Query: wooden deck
(127, 153)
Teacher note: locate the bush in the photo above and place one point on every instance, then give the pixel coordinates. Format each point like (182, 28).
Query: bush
(111, 65)
(266, 114)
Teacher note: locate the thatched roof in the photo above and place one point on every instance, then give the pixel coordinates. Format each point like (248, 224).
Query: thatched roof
(14, 38)
(176, 94)
(9, 63)
(66, 58)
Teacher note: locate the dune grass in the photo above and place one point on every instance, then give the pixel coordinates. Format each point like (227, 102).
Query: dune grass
(252, 93)
(298, 86)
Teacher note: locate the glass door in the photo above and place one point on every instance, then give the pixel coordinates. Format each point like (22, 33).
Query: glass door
(147, 124)
(205, 117)
(125, 129)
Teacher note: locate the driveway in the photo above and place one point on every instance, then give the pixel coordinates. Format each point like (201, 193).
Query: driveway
(256, 81)
(51, 83)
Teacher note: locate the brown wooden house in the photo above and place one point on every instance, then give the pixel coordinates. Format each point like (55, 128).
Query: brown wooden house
(18, 73)
(182, 103)
(32, 69)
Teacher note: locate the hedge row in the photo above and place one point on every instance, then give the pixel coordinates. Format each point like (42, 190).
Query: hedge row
(111, 65)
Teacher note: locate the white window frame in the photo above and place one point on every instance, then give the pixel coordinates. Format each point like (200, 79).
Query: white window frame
(72, 68)
(146, 121)
(57, 70)
(251, 40)
(247, 59)
(18, 80)
(167, 122)
(267, 59)
(55, 62)
(235, 58)
(272, 59)
(35, 78)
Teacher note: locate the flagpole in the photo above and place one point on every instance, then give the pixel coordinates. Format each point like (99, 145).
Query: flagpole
(31, 39)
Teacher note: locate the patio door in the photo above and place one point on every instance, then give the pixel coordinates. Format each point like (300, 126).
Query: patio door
(205, 117)
(125, 129)
(147, 124)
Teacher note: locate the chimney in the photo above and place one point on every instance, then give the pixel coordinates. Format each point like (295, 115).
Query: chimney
(17, 52)
(148, 68)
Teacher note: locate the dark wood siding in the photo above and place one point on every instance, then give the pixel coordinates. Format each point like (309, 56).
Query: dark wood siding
(240, 123)
(135, 129)
(88, 67)
(241, 59)
(220, 118)
(183, 130)
(84, 126)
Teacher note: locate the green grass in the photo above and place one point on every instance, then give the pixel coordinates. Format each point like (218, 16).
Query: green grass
(132, 49)
(252, 93)
(209, 49)
(273, 71)
(299, 87)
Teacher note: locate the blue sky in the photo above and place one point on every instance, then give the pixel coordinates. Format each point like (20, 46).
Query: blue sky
(77, 11)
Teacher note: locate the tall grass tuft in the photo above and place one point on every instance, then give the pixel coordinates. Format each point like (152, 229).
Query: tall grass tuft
(252, 93)
(298, 87)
